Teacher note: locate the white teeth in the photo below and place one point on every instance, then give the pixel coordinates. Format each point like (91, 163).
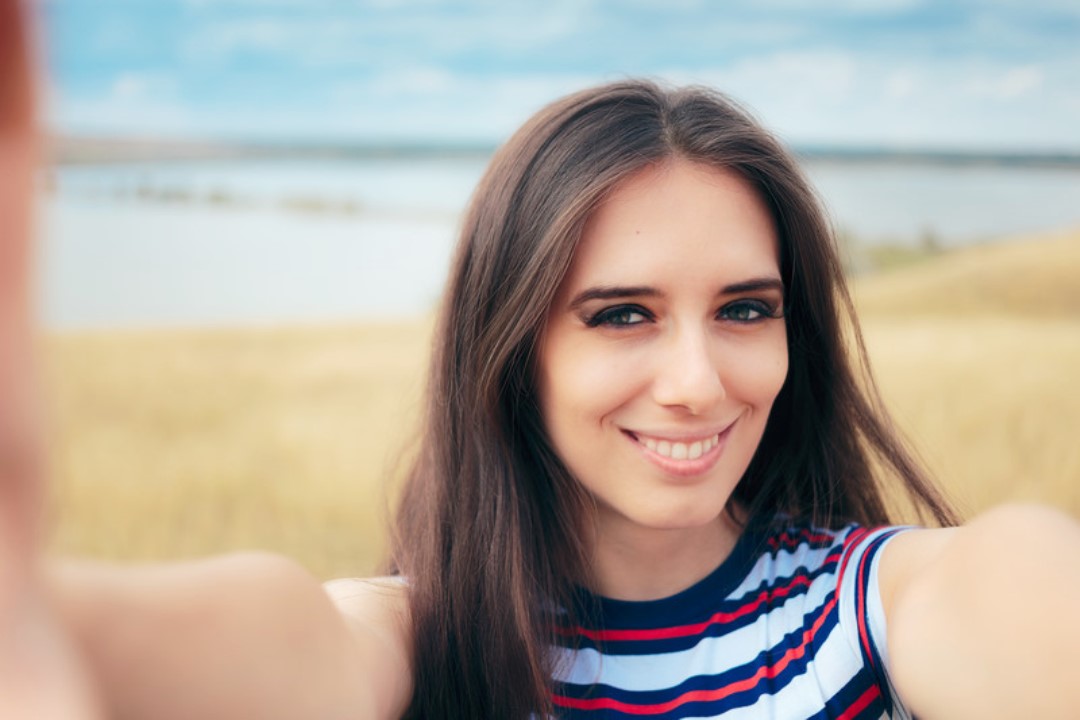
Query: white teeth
(679, 450)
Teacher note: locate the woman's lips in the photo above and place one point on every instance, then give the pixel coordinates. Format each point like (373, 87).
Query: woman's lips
(685, 456)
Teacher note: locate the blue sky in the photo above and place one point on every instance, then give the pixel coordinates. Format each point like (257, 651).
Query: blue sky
(969, 74)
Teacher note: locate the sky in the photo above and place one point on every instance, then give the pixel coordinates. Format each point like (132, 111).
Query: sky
(993, 75)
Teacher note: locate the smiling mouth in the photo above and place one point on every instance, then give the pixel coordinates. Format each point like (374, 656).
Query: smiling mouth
(677, 450)
(685, 457)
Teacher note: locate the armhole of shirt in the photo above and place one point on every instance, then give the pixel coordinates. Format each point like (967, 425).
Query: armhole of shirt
(861, 614)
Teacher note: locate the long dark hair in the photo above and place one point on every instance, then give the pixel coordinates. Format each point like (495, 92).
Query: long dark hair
(489, 527)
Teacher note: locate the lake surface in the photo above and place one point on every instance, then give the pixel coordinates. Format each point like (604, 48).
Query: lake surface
(274, 241)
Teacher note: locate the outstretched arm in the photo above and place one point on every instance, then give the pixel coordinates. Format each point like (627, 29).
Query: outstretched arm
(39, 675)
(247, 635)
(982, 620)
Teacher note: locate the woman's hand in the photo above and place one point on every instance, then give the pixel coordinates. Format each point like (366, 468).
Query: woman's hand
(40, 675)
(982, 619)
(244, 636)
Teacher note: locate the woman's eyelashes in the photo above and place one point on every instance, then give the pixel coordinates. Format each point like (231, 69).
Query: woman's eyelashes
(619, 316)
(749, 311)
(745, 311)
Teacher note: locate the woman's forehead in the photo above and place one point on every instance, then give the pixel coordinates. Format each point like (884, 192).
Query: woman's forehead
(676, 218)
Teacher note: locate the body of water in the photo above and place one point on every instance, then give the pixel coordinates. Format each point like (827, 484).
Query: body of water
(273, 241)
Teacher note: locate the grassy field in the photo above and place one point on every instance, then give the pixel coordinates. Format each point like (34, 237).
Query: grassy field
(977, 352)
(170, 444)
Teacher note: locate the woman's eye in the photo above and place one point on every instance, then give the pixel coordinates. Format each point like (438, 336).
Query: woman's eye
(747, 311)
(620, 316)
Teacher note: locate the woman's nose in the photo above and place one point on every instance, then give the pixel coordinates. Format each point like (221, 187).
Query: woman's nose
(688, 372)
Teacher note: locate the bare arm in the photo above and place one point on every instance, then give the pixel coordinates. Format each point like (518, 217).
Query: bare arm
(982, 620)
(39, 674)
(376, 612)
(249, 635)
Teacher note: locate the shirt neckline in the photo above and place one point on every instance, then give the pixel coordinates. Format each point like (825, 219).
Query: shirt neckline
(684, 606)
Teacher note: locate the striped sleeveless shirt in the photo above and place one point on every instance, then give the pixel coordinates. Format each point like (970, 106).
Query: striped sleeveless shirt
(789, 626)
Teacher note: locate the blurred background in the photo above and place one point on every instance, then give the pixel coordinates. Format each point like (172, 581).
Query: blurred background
(250, 205)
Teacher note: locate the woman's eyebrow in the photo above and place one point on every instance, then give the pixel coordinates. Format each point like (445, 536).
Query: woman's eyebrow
(754, 285)
(619, 292)
(612, 292)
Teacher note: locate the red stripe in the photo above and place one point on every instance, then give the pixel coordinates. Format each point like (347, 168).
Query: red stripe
(764, 672)
(787, 538)
(872, 693)
(666, 633)
(860, 607)
(850, 544)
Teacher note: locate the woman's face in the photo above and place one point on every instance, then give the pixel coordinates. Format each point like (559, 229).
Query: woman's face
(666, 346)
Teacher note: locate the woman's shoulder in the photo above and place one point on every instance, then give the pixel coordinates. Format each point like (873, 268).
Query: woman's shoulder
(376, 606)
(354, 590)
(376, 611)
(993, 598)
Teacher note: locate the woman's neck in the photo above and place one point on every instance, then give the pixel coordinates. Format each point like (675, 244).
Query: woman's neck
(630, 562)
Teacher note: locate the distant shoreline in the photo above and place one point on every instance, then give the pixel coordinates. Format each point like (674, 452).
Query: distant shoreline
(115, 150)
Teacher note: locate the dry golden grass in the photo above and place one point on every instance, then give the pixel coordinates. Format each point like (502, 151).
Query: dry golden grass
(182, 443)
(977, 355)
(1033, 277)
(173, 444)
(993, 405)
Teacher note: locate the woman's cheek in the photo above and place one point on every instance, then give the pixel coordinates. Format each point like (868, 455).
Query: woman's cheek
(762, 368)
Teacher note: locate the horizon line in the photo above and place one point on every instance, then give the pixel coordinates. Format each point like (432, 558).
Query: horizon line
(74, 149)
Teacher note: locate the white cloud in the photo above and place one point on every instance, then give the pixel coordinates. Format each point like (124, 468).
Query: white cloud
(809, 78)
(338, 37)
(901, 84)
(218, 40)
(428, 103)
(869, 7)
(419, 80)
(132, 86)
(1020, 81)
(1006, 84)
(119, 116)
(975, 103)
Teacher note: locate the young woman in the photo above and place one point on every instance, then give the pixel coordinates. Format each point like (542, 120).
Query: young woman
(651, 481)
(652, 446)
